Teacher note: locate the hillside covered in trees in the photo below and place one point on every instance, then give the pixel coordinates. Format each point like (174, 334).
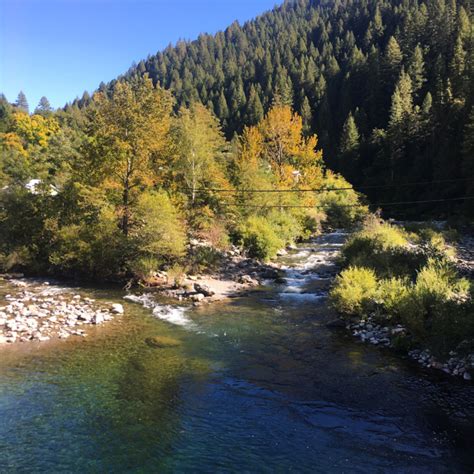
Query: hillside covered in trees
(182, 145)
(386, 85)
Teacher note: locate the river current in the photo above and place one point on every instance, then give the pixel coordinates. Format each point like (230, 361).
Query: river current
(258, 384)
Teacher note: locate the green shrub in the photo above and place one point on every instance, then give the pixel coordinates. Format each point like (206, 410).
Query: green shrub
(436, 303)
(439, 282)
(204, 259)
(259, 238)
(216, 234)
(354, 290)
(144, 267)
(285, 226)
(95, 249)
(384, 248)
(176, 274)
(343, 208)
(311, 222)
(158, 230)
(390, 293)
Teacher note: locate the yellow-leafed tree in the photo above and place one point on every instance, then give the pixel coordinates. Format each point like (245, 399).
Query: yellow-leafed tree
(130, 134)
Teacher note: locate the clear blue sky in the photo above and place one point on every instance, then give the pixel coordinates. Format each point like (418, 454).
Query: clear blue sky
(59, 48)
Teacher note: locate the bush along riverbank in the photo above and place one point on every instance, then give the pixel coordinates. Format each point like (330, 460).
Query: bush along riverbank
(37, 311)
(401, 288)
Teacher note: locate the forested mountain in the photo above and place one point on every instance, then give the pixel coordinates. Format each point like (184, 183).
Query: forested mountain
(225, 138)
(386, 85)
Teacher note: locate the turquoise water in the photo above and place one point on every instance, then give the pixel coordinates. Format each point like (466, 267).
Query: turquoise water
(258, 384)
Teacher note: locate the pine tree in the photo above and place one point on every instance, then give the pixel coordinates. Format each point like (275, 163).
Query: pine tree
(402, 101)
(457, 67)
(468, 156)
(416, 69)
(254, 112)
(427, 104)
(307, 116)
(21, 102)
(221, 107)
(44, 107)
(350, 136)
(393, 54)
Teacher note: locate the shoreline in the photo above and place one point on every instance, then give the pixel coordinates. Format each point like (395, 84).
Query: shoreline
(39, 312)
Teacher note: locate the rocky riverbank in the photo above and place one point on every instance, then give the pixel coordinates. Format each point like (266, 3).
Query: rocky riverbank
(236, 275)
(367, 330)
(38, 311)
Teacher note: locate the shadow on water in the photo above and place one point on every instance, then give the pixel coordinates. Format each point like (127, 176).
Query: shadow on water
(257, 384)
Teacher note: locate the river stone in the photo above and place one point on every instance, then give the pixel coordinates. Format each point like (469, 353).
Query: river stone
(204, 289)
(197, 297)
(467, 376)
(11, 324)
(117, 308)
(98, 318)
(162, 342)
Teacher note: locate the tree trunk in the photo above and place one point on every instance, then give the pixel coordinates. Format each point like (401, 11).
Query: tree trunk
(126, 209)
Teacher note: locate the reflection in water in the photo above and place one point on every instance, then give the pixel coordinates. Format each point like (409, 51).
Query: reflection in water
(259, 385)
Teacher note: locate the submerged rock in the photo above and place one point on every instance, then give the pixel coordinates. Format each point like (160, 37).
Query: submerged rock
(336, 324)
(162, 342)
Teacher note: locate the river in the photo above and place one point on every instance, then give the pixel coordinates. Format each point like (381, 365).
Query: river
(258, 384)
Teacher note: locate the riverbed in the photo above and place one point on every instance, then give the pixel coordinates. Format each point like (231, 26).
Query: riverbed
(257, 384)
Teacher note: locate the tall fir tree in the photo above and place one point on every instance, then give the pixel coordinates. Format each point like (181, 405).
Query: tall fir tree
(21, 102)
(43, 107)
(254, 112)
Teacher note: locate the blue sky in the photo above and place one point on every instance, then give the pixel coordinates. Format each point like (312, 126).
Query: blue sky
(59, 48)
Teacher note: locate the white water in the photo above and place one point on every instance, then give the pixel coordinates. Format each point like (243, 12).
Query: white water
(172, 314)
(309, 265)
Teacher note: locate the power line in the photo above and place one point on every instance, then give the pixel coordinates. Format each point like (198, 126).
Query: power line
(326, 189)
(465, 198)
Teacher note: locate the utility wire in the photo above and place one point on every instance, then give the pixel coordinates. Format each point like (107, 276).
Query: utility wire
(326, 189)
(465, 198)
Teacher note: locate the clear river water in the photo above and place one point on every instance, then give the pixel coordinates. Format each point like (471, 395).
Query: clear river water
(258, 384)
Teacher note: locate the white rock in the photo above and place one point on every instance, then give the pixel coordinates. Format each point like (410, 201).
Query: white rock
(31, 323)
(11, 324)
(98, 318)
(197, 297)
(117, 308)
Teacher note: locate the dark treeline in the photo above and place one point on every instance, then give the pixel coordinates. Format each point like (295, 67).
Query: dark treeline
(386, 85)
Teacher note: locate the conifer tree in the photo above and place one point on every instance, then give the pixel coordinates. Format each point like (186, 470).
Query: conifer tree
(44, 107)
(350, 136)
(306, 115)
(21, 102)
(416, 69)
(254, 112)
(402, 101)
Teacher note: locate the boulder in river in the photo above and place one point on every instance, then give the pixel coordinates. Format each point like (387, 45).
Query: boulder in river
(336, 324)
(162, 342)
